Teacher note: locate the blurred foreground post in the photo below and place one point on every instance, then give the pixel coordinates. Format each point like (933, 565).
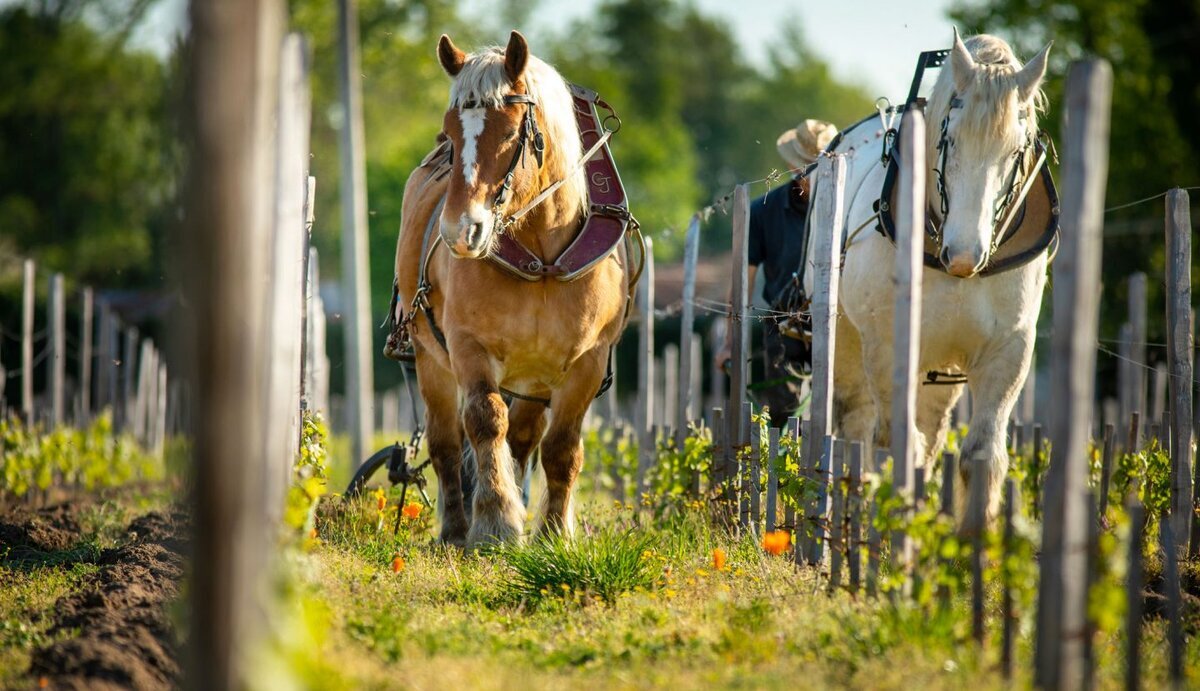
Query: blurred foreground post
(1062, 596)
(233, 88)
(906, 325)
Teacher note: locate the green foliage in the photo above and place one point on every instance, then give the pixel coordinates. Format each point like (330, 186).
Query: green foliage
(309, 481)
(1148, 474)
(92, 458)
(603, 566)
(88, 154)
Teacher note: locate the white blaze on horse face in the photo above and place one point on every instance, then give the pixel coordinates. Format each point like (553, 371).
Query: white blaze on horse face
(472, 127)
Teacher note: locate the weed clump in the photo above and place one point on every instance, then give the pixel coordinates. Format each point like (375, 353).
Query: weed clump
(602, 566)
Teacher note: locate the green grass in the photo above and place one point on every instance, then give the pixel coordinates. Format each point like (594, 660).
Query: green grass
(608, 564)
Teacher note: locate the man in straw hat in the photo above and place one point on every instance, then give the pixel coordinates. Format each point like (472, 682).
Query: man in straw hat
(777, 237)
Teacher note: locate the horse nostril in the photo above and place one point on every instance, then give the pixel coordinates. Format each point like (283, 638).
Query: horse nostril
(945, 256)
(474, 231)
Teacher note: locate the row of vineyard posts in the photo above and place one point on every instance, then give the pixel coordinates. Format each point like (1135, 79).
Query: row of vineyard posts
(826, 502)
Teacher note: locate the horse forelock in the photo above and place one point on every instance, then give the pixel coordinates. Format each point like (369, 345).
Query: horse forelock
(484, 82)
(991, 107)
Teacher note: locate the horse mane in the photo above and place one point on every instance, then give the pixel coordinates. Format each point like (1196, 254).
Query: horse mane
(990, 108)
(483, 81)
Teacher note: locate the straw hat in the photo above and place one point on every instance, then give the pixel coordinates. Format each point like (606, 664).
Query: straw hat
(800, 147)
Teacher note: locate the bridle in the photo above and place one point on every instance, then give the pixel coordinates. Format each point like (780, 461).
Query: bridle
(528, 135)
(1007, 196)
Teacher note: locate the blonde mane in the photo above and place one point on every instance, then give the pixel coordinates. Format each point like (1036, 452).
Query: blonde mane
(484, 82)
(990, 107)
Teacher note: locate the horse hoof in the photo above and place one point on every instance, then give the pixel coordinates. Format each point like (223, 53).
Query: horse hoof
(496, 528)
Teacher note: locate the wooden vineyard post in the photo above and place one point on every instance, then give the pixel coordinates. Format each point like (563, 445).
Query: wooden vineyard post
(718, 380)
(949, 476)
(828, 218)
(820, 516)
(747, 467)
(668, 372)
(772, 477)
(1106, 461)
(86, 307)
(1133, 442)
(738, 333)
(1159, 391)
(906, 325)
(805, 527)
(355, 265)
(27, 305)
(1137, 344)
(1039, 477)
(643, 416)
(689, 398)
(104, 357)
(233, 63)
(1171, 588)
(1028, 395)
(1062, 597)
(56, 362)
(977, 505)
(874, 539)
(1133, 597)
(128, 401)
(1007, 620)
(854, 507)
(755, 481)
(717, 467)
(837, 512)
(1179, 362)
(789, 512)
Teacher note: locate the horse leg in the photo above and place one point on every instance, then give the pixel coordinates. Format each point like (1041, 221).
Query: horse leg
(526, 425)
(562, 449)
(444, 433)
(995, 382)
(934, 404)
(854, 411)
(497, 512)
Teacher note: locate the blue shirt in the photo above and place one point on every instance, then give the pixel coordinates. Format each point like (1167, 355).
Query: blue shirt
(777, 237)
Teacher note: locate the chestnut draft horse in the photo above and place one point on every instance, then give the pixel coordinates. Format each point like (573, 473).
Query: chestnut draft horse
(523, 289)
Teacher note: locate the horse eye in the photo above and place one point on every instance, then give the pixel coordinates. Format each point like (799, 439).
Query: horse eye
(512, 134)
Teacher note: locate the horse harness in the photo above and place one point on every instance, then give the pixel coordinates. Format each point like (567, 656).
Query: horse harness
(607, 224)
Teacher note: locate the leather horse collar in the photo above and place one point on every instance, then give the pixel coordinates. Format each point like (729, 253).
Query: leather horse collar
(608, 218)
(1025, 219)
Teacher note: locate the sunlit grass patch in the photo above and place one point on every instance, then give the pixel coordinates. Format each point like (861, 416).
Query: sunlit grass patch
(601, 566)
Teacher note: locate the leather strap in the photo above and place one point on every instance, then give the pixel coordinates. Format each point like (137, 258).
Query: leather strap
(608, 216)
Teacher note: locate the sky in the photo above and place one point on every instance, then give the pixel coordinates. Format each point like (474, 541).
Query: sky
(874, 43)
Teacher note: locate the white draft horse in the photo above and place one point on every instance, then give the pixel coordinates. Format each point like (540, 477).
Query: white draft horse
(982, 116)
(510, 164)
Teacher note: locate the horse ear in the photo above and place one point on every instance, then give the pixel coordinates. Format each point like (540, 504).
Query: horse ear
(450, 56)
(1031, 75)
(516, 56)
(961, 64)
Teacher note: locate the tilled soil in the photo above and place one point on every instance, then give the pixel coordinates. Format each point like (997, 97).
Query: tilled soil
(118, 631)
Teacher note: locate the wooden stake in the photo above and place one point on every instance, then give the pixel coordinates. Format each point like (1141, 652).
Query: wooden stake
(1106, 469)
(739, 327)
(644, 415)
(1137, 343)
(906, 325)
(1062, 603)
(56, 362)
(27, 305)
(828, 219)
(86, 306)
(772, 477)
(1179, 361)
(1133, 596)
(689, 395)
(837, 511)
(356, 278)
(854, 503)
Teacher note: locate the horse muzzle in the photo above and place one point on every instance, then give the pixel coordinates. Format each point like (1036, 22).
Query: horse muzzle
(467, 239)
(963, 264)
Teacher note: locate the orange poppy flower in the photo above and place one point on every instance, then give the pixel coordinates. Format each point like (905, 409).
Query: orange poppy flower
(776, 542)
(398, 564)
(718, 559)
(412, 511)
